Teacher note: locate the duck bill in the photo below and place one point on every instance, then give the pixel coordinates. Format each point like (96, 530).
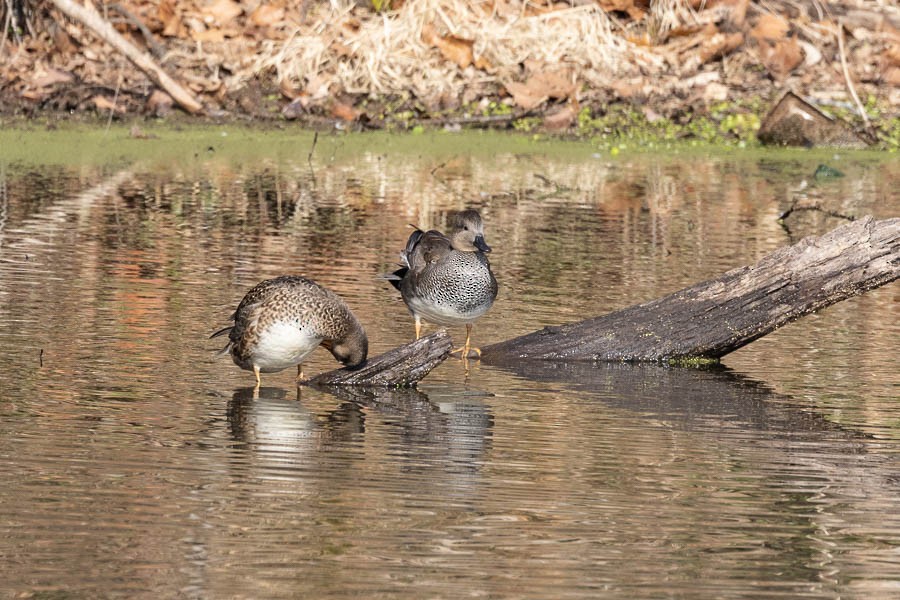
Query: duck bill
(481, 244)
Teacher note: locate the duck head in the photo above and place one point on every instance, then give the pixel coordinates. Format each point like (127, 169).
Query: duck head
(467, 232)
(350, 350)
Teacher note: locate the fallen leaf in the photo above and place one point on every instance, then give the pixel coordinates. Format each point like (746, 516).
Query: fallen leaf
(222, 11)
(209, 35)
(454, 49)
(782, 57)
(561, 119)
(341, 50)
(523, 95)
(267, 15)
(104, 103)
(811, 54)
(633, 9)
(892, 55)
(891, 76)
(626, 89)
(353, 25)
(51, 77)
(770, 27)
(159, 103)
(317, 86)
(719, 45)
(168, 15)
(483, 64)
(558, 84)
(63, 41)
(288, 89)
(735, 11)
(344, 111)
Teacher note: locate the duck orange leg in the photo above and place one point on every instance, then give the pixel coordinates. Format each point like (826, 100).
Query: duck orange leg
(464, 351)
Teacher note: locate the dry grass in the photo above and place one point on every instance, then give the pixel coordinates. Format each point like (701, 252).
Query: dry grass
(387, 54)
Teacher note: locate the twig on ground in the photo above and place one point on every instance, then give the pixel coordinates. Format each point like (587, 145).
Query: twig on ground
(156, 49)
(93, 21)
(112, 109)
(843, 53)
(6, 24)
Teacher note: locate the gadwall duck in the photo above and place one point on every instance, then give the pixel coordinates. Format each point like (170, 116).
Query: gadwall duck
(281, 321)
(447, 280)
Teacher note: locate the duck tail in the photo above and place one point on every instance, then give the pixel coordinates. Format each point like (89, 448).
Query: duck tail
(222, 331)
(396, 277)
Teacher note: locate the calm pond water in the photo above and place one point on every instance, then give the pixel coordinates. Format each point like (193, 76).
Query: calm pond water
(134, 461)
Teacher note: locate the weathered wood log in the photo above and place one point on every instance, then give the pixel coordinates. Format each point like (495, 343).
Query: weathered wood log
(403, 366)
(710, 319)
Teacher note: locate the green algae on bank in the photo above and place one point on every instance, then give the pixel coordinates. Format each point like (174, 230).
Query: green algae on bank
(92, 144)
(85, 144)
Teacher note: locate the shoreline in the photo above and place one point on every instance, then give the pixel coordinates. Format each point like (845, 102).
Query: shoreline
(710, 72)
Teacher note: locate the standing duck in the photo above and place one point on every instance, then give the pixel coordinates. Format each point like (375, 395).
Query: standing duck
(447, 280)
(281, 321)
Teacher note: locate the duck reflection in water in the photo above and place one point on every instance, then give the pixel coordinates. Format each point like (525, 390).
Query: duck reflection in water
(450, 438)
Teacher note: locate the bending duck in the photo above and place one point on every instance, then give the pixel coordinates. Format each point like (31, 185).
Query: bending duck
(281, 321)
(447, 280)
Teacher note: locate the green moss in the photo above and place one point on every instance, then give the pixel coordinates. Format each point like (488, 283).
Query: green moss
(693, 361)
(498, 109)
(729, 123)
(527, 125)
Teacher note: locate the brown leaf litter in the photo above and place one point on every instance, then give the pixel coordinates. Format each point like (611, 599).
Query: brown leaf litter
(329, 59)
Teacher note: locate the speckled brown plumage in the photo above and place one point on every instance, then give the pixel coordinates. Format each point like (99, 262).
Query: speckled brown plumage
(280, 321)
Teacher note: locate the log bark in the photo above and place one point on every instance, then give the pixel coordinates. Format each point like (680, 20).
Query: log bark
(710, 319)
(401, 367)
(141, 60)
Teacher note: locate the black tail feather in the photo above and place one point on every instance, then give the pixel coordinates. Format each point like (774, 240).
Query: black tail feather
(396, 277)
(222, 331)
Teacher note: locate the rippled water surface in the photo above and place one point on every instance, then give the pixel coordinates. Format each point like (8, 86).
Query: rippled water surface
(135, 462)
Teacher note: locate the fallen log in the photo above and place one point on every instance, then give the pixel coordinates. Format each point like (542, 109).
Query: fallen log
(703, 322)
(403, 366)
(710, 319)
(106, 32)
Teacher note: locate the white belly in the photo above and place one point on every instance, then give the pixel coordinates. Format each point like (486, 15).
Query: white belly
(282, 345)
(442, 314)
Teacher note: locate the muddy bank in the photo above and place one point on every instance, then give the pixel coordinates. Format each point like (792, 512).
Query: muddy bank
(601, 70)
